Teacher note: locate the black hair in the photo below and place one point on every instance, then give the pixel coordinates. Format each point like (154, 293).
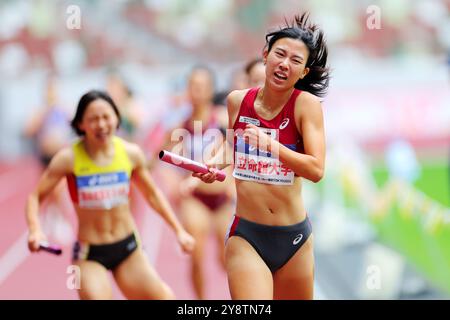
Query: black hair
(317, 79)
(249, 66)
(85, 100)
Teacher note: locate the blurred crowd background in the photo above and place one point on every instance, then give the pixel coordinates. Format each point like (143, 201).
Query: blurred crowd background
(383, 208)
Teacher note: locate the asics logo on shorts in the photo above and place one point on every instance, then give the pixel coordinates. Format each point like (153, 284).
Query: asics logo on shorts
(297, 239)
(131, 245)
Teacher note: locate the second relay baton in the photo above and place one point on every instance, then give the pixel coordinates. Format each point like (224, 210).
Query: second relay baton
(188, 164)
(51, 249)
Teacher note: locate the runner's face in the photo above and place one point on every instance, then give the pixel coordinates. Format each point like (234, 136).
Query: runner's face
(200, 88)
(99, 121)
(257, 75)
(286, 63)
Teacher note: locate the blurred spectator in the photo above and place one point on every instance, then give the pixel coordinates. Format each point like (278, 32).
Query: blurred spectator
(130, 110)
(253, 74)
(256, 73)
(49, 127)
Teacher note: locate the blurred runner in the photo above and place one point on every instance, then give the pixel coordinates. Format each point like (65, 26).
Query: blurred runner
(99, 168)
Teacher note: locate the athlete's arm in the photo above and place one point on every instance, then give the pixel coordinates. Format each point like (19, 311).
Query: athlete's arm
(309, 121)
(154, 196)
(59, 167)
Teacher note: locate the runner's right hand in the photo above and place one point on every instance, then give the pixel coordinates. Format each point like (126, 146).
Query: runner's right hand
(209, 177)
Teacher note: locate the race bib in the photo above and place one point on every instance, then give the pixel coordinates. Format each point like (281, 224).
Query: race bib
(103, 191)
(253, 164)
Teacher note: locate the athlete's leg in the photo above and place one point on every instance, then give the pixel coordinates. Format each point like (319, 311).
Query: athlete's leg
(248, 275)
(137, 279)
(94, 282)
(295, 280)
(196, 221)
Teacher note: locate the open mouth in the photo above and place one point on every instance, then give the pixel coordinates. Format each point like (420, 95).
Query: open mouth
(101, 135)
(280, 76)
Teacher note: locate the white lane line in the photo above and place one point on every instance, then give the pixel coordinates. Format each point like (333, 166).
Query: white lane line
(14, 257)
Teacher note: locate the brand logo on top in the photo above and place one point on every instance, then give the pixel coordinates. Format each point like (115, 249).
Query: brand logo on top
(284, 123)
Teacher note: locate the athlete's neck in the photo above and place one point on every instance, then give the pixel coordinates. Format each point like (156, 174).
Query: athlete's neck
(98, 150)
(201, 112)
(272, 100)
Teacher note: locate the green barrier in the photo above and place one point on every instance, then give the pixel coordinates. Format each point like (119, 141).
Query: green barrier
(409, 222)
(423, 240)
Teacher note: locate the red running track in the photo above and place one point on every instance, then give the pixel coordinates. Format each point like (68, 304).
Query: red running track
(44, 276)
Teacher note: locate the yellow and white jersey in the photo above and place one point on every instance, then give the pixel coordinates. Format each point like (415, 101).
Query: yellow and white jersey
(100, 187)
